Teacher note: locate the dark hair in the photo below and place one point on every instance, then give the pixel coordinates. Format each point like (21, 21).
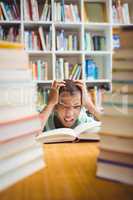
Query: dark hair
(70, 86)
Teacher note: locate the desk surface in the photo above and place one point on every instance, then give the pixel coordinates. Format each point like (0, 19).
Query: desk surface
(69, 175)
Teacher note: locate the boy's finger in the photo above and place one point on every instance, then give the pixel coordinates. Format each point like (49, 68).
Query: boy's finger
(55, 83)
(80, 85)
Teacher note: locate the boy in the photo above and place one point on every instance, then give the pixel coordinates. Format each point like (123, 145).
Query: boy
(67, 104)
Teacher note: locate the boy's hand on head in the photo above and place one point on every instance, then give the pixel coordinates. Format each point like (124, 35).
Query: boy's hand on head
(54, 92)
(86, 97)
(87, 100)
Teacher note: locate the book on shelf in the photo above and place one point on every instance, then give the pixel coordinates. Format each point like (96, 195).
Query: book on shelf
(66, 40)
(85, 131)
(9, 11)
(91, 69)
(66, 12)
(41, 35)
(97, 97)
(46, 12)
(31, 11)
(62, 10)
(88, 41)
(64, 70)
(4, 11)
(116, 41)
(11, 33)
(38, 39)
(32, 40)
(94, 41)
(125, 11)
(42, 98)
(39, 69)
(74, 75)
(120, 12)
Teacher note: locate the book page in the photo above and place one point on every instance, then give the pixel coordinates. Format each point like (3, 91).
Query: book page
(56, 135)
(91, 127)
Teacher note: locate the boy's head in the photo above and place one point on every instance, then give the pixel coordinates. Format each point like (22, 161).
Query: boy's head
(68, 108)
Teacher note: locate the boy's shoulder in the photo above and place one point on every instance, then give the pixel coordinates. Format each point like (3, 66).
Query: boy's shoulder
(85, 116)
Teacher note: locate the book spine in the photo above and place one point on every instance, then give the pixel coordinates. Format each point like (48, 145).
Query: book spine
(120, 164)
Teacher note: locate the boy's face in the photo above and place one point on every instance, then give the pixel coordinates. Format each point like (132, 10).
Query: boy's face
(68, 108)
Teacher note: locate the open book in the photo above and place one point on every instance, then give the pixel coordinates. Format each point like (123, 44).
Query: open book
(85, 131)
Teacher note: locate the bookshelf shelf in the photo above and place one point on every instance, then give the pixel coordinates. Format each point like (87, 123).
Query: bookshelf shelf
(10, 22)
(97, 52)
(39, 52)
(99, 25)
(70, 24)
(63, 52)
(95, 1)
(105, 84)
(37, 22)
(122, 25)
(49, 82)
(74, 20)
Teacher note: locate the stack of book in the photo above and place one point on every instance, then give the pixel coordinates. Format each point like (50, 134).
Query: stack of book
(20, 154)
(115, 160)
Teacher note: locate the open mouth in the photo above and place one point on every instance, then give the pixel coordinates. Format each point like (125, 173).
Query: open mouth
(68, 120)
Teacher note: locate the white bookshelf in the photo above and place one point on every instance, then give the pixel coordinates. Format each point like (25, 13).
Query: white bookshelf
(103, 58)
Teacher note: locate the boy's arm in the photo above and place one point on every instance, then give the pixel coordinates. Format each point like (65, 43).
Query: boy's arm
(52, 101)
(87, 100)
(44, 115)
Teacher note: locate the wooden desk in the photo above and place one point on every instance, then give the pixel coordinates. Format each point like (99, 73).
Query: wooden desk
(69, 175)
